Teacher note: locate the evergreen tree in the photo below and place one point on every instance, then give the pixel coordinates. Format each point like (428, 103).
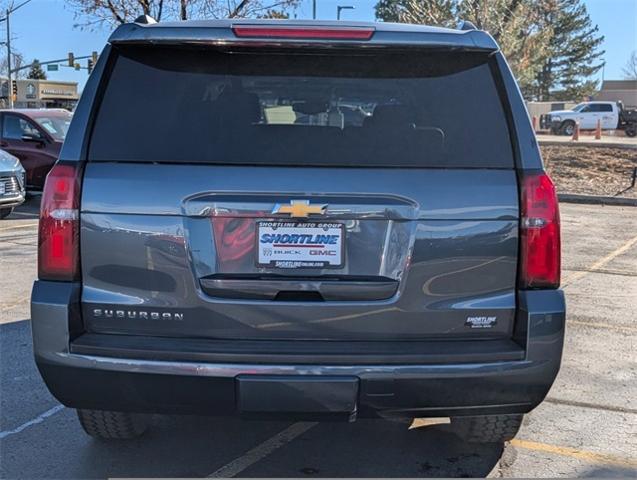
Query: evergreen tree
(520, 30)
(575, 54)
(36, 72)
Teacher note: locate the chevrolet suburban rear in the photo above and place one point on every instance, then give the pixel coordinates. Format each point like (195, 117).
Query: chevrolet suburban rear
(299, 220)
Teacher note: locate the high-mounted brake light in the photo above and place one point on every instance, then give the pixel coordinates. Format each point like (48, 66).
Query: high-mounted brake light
(58, 239)
(300, 32)
(540, 233)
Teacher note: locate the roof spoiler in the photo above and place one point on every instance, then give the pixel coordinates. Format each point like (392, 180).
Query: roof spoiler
(225, 33)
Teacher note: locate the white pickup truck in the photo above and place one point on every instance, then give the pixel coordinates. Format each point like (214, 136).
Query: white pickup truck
(611, 115)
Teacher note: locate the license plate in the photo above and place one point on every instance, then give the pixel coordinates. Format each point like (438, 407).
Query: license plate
(300, 244)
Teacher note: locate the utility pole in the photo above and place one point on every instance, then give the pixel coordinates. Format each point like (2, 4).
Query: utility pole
(314, 9)
(6, 19)
(9, 82)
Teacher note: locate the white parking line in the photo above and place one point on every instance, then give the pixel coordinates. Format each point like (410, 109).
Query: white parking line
(262, 450)
(39, 419)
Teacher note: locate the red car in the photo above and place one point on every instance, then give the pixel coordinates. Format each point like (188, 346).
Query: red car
(35, 136)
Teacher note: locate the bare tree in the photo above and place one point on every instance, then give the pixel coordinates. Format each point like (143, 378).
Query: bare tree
(428, 12)
(630, 69)
(91, 13)
(17, 61)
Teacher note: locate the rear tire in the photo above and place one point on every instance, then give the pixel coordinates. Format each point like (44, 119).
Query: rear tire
(488, 428)
(112, 425)
(631, 131)
(5, 212)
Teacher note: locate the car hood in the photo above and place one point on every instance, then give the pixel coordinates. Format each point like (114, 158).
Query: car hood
(9, 163)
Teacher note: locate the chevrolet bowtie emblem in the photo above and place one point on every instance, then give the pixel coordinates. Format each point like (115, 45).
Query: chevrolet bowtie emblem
(300, 209)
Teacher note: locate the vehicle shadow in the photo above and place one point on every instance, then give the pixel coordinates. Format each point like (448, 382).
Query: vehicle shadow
(378, 448)
(194, 446)
(199, 446)
(610, 472)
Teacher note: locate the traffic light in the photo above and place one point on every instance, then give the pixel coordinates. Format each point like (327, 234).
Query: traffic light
(89, 65)
(14, 90)
(71, 59)
(94, 57)
(77, 66)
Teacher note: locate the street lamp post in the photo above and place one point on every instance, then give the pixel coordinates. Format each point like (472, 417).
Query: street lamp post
(6, 19)
(342, 7)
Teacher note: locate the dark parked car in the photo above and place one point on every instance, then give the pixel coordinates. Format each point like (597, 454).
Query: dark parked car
(219, 238)
(35, 136)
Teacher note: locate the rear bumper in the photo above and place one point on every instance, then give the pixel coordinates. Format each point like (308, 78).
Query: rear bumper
(173, 386)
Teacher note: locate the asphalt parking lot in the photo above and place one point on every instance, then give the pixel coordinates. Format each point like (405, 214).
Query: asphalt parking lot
(586, 427)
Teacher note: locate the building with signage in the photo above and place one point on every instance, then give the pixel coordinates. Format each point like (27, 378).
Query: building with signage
(42, 94)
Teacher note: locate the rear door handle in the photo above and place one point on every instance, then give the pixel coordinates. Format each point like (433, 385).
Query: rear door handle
(329, 290)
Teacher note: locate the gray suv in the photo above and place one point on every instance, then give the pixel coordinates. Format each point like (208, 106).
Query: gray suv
(12, 184)
(299, 220)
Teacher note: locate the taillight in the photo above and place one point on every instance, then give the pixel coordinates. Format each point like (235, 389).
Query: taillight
(540, 233)
(303, 32)
(58, 239)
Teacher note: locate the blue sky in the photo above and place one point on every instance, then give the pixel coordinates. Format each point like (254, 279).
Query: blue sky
(44, 29)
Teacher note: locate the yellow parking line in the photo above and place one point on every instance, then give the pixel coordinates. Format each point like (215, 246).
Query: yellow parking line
(14, 227)
(619, 328)
(599, 263)
(12, 305)
(591, 457)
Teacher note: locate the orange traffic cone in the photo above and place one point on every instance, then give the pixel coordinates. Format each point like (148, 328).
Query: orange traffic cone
(598, 130)
(576, 132)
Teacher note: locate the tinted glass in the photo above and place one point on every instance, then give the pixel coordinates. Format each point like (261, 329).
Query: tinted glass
(352, 109)
(605, 107)
(15, 128)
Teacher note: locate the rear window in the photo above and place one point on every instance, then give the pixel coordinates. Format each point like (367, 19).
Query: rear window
(338, 109)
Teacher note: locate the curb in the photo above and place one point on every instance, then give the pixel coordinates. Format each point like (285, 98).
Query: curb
(597, 200)
(579, 143)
